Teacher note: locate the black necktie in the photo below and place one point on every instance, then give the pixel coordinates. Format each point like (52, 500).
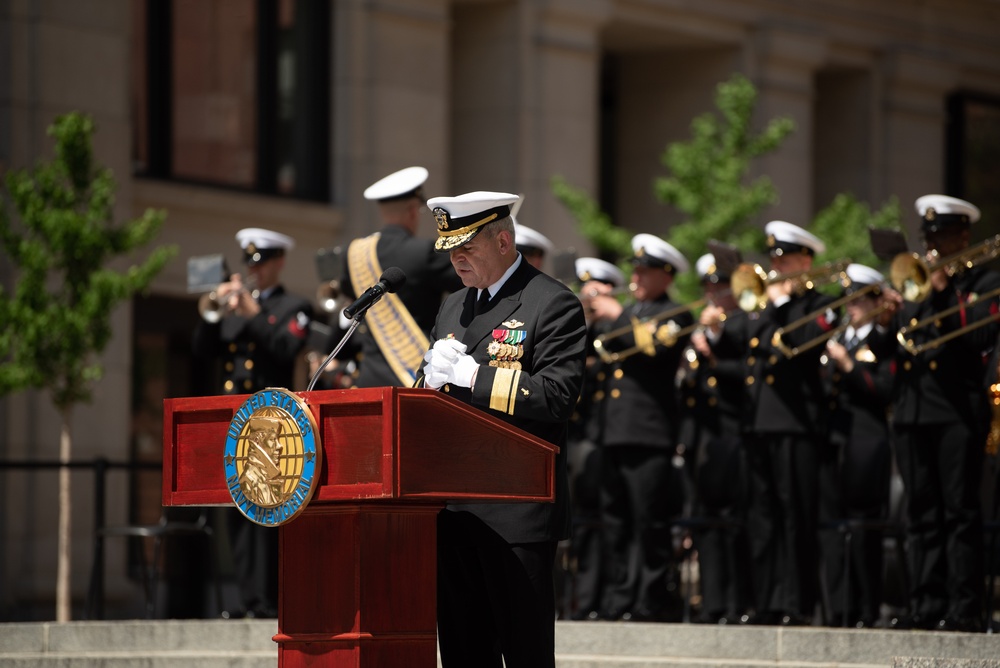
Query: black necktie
(483, 303)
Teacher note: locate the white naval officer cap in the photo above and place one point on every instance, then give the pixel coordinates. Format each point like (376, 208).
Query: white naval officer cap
(709, 270)
(525, 237)
(784, 238)
(403, 184)
(940, 211)
(260, 245)
(860, 276)
(596, 269)
(652, 251)
(459, 219)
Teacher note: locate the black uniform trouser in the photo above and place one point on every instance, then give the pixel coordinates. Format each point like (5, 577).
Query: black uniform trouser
(854, 485)
(723, 552)
(587, 540)
(783, 521)
(255, 564)
(640, 492)
(496, 600)
(941, 466)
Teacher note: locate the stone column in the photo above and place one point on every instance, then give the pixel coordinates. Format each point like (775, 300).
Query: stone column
(560, 115)
(914, 90)
(390, 98)
(782, 63)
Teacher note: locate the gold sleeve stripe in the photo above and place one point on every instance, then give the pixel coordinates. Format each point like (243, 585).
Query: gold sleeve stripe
(505, 390)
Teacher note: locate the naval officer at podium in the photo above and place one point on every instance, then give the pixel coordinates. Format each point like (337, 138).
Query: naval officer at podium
(512, 344)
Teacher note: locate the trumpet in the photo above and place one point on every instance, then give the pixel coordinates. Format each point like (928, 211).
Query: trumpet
(749, 281)
(329, 296)
(648, 333)
(214, 308)
(910, 274)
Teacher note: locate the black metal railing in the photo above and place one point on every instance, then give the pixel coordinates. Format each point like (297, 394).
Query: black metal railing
(100, 466)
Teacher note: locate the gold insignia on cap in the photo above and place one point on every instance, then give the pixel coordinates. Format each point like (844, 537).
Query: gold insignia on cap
(640, 251)
(513, 324)
(711, 269)
(585, 276)
(930, 213)
(441, 216)
(251, 248)
(771, 241)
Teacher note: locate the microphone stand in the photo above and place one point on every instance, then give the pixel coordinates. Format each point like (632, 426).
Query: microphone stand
(329, 358)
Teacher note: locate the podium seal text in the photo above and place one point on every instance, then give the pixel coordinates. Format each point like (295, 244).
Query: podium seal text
(272, 457)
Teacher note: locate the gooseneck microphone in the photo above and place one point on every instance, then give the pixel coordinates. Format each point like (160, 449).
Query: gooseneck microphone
(392, 279)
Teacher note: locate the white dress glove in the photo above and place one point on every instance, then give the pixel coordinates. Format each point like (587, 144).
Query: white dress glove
(448, 363)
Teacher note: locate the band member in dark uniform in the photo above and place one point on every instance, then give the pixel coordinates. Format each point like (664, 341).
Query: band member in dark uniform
(393, 338)
(711, 394)
(940, 421)
(261, 332)
(511, 344)
(856, 468)
(641, 490)
(786, 421)
(597, 277)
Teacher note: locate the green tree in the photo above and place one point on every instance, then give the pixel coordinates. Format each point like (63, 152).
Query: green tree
(844, 228)
(708, 175)
(613, 243)
(707, 181)
(57, 320)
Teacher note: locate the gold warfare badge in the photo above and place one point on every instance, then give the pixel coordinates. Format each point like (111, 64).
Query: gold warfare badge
(272, 457)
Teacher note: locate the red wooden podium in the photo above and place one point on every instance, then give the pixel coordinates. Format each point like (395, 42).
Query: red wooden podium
(357, 575)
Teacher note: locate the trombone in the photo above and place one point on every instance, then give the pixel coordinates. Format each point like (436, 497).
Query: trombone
(646, 335)
(214, 308)
(749, 281)
(911, 274)
(904, 334)
(777, 340)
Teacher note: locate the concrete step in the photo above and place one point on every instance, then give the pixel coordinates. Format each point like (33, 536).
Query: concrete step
(231, 643)
(140, 644)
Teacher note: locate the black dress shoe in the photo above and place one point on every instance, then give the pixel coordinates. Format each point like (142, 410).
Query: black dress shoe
(904, 622)
(761, 618)
(794, 619)
(960, 624)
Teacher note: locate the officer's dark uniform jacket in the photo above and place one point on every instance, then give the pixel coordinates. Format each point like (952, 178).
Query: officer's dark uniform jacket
(638, 397)
(257, 352)
(785, 395)
(547, 319)
(945, 383)
(860, 398)
(429, 277)
(712, 391)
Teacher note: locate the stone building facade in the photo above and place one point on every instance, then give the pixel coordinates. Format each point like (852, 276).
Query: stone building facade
(278, 113)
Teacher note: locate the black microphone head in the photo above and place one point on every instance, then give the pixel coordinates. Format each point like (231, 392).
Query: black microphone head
(394, 279)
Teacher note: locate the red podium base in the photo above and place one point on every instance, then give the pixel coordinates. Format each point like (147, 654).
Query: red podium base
(358, 566)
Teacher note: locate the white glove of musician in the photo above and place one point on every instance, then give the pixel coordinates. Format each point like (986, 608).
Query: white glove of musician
(448, 363)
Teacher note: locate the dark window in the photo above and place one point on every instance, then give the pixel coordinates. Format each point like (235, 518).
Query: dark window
(233, 93)
(973, 153)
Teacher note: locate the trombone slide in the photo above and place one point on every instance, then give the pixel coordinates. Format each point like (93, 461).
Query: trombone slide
(916, 348)
(647, 333)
